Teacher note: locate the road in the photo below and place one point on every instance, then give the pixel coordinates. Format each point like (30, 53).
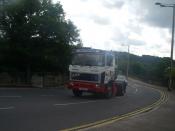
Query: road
(56, 109)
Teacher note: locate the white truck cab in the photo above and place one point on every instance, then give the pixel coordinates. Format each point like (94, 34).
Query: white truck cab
(92, 70)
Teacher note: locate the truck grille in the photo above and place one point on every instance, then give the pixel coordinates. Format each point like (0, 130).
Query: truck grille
(84, 77)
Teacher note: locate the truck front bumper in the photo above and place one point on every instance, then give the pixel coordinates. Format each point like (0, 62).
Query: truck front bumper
(86, 86)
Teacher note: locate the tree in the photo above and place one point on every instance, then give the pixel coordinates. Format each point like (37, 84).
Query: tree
(147, 68)
(137, 68)
(38, 37)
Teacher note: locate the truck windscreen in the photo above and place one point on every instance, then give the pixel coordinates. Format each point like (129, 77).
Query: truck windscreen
(88, 59)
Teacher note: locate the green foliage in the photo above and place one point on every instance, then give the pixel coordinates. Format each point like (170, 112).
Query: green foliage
(148, 68)
(137, 68)
(37, 37)
(167, 73)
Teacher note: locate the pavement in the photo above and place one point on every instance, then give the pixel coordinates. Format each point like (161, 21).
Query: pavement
(160, 119)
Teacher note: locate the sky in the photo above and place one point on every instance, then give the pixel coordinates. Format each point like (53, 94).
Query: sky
(115, 24)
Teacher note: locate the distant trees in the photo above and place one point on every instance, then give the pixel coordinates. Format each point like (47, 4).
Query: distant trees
(137, 68)
(147, 68)
(36, 38)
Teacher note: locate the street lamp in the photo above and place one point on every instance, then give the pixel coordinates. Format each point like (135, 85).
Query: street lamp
(172, 41)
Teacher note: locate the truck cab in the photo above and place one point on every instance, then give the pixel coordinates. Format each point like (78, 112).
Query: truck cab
(92, 71)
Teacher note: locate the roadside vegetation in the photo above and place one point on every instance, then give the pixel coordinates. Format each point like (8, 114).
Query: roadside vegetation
(150, 69)
(35, 37)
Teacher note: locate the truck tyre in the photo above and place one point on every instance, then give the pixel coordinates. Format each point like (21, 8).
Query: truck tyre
(124, 86)
(109, 93)
(77, 93)
(121, 91)
(125, 89)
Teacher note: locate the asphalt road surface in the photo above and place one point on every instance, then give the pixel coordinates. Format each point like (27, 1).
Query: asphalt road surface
(56, 109)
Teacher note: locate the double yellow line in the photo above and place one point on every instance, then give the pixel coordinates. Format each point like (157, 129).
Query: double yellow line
(163, 99)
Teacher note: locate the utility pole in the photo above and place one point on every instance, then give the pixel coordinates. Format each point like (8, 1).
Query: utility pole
(128, 61)
(127, 70)
(172, 41)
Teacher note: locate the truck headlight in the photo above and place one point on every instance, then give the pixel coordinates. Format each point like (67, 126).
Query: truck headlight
(97, 85)
(71, 83)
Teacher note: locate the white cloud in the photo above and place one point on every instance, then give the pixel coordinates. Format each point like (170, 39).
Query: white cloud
(105, 24)
(113, 4)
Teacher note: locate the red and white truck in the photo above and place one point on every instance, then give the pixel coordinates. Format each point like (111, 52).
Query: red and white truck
(94, 71)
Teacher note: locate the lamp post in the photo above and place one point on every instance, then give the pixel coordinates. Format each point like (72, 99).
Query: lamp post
(172, 41)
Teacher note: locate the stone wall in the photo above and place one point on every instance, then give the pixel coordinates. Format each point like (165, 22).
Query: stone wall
(41, 81)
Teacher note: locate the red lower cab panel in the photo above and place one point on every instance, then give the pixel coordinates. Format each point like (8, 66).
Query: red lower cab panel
(87, 86)
(92, 87)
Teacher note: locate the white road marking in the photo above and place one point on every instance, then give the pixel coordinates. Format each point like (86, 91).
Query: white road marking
(76, 103)
(134, 86)
(10, 96)
(7, 108)
(136, 89)
(47, 95)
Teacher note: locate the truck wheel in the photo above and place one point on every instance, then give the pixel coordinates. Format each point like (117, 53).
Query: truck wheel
(125, 89)
(121, 91)
(109, 93)
(77, 93)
